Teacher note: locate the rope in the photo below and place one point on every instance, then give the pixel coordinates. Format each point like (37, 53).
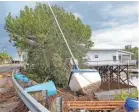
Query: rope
(62, 34)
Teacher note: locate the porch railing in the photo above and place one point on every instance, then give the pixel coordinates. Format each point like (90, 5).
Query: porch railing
(112, 62)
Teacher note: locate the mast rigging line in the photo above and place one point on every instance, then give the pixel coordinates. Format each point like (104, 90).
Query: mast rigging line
(63, 35)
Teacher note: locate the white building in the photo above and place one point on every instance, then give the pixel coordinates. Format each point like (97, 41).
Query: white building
(108, 56)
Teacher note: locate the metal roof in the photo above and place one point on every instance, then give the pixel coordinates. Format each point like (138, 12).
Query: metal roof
(104, 49)
(125, 52)
(110, 49)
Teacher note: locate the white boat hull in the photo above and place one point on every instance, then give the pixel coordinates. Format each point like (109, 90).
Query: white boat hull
(87, 81)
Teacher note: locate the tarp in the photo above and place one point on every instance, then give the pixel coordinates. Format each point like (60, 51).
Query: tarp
(131, 104)
(22, 77)
(49, 86)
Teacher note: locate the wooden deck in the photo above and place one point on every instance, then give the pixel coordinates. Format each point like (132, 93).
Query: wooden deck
(111, 62)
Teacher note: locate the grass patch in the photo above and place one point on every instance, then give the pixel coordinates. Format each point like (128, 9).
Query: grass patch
(124, 95)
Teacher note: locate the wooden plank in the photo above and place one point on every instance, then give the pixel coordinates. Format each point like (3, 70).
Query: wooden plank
(91, 105)
(94, 101)
(94, 104)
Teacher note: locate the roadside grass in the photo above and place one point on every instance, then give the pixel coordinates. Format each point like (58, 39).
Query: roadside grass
(124, 95)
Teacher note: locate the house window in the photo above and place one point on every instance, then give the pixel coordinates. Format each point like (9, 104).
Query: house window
(96, 56)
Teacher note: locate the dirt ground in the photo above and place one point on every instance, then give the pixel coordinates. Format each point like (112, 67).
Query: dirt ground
(10, 102)
(21, 107)
(113, 85)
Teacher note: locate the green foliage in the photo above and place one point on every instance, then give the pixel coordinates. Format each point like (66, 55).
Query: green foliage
(35, 32)
(125, 95)
(3, 57)
(133, 50)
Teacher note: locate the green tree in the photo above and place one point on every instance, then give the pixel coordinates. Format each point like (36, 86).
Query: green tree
(34, 31)
(3, 57)
(134, 50)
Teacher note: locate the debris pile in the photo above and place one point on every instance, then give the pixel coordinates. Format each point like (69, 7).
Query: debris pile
(68, 95)
(21, 107)
(10, 96)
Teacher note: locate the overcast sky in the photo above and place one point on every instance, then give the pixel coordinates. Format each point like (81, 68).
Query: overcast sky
(113, 24)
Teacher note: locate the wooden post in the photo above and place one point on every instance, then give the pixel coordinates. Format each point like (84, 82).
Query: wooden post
(110, 72)
(44, 96)
(128, 75)
(115, 71)
(59, 104)
(118, 77)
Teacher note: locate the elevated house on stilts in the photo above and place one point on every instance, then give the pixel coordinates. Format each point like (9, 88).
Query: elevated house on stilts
(114, 65)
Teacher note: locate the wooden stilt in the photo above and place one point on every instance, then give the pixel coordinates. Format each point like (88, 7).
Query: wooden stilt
(128, 77)
(114, 73)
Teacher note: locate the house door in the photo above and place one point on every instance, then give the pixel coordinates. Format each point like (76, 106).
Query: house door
(114, 58)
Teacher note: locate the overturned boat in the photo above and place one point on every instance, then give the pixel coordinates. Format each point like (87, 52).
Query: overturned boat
(84, 80)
